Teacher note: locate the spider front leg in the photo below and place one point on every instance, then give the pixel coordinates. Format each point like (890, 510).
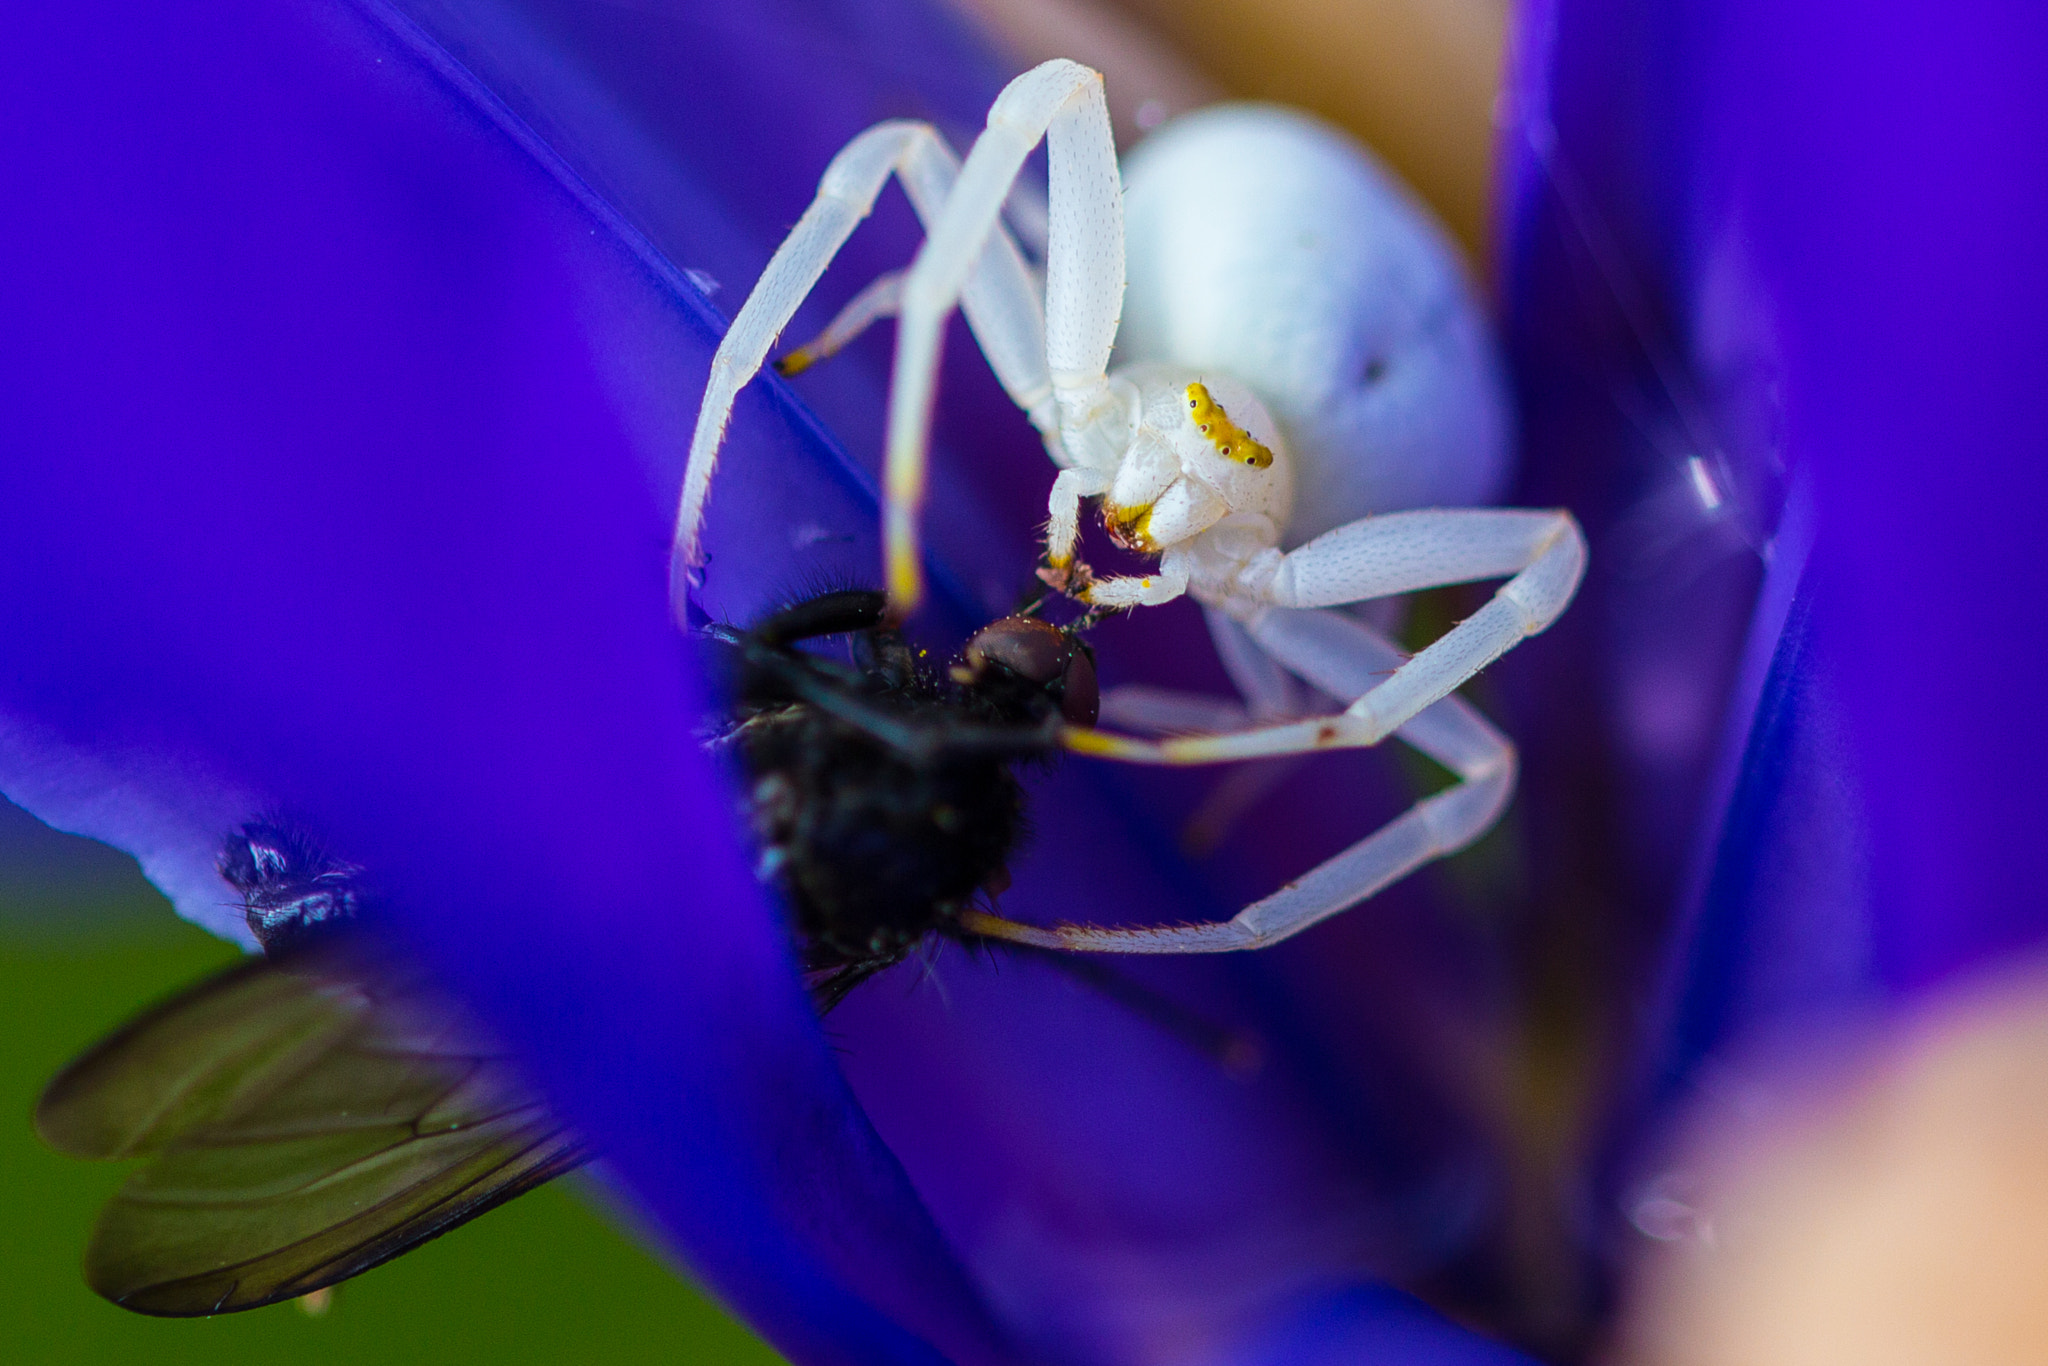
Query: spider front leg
(1060, 102)
(1266, 694)
(1341, 656)
(997, 294)
(1379, 557)
(1062, 571)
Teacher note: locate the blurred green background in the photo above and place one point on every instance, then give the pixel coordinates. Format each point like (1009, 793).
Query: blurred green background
(85, 942)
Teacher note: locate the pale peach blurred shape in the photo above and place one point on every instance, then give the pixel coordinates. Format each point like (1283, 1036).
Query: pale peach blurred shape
(1415, 79)
(1898, 1215)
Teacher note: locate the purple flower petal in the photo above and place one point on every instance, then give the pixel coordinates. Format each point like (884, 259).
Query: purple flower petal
(354, 415)
(1815, 228)
(1900, 215)
(336, 496)
(1365, 1325)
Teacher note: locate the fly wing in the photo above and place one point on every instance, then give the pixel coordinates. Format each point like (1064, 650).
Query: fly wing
(305, 1120)
(188, 1059)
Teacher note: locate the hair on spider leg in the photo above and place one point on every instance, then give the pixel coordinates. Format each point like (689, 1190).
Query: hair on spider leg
(1240, 1055)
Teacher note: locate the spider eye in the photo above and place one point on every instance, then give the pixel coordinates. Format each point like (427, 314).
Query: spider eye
(1044, 656)
(1375, 369)
(1231, 441)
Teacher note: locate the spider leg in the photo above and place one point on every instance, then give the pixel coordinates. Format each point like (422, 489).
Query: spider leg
(1398, 553)
(1270, 692)
(1063, 507)
(1167, 711)
(999, 296)
(1378, 557)
(1267, 693)
(1164, 711)
(1061, 103)
(881, 299)
(1344, 657)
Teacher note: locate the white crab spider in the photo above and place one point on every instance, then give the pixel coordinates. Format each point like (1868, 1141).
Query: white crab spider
(1301, 355)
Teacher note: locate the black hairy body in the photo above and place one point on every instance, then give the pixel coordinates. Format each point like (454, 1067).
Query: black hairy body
(873, 850)
(294, 893)
(882, 790)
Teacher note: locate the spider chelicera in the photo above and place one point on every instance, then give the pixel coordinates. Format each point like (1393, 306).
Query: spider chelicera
(1306, 408)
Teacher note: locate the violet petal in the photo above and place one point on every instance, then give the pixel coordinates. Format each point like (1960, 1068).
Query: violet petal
(431, 623)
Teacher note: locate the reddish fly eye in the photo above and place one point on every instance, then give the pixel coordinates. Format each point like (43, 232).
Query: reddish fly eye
(1042, 654)
(1032, 649)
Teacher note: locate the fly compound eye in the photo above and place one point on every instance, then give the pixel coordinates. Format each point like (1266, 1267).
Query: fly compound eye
(1032, 649)
(1081, 702)
(1044, 656)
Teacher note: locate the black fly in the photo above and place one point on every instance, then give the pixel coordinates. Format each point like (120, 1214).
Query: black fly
(314, 1112)
(881, 790)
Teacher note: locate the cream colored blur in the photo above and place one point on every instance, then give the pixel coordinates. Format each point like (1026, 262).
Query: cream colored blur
(1901, 1222)
(1415, 79)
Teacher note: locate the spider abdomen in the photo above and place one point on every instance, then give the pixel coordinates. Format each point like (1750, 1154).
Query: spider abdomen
(1321, 283)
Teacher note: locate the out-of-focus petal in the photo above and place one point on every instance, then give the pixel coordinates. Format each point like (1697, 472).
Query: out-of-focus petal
(1883, 1202)
(1365, 1325)
(1646, 390)
(1819, 223)
(326, 484)
(1848, 194)
(1899, 215)
(1649, 381)
(355, 415)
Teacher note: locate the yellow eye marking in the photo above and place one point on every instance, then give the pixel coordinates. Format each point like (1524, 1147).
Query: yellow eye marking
(1226, 436)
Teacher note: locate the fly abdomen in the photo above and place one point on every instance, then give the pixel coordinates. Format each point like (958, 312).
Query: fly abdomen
(872, 849)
